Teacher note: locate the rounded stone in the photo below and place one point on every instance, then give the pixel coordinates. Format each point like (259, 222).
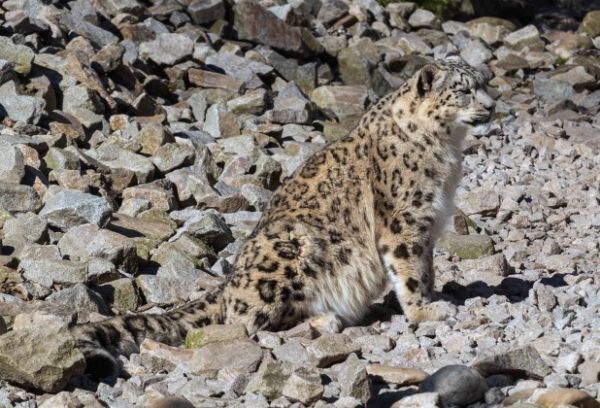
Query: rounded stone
(456, 385)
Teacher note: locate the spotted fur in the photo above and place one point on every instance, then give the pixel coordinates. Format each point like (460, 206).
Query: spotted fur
(365, 210)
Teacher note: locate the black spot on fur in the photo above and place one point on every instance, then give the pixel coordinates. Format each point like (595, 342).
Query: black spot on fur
(401, 252)
(266, 289)
(412, 284)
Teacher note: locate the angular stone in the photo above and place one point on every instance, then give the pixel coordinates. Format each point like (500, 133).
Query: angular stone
(490, 29)
(163, 290)
(61, 159)
(44, 358)
(252, 102)
(220, 122)
(270, 379)
(208, 79)
(172, 156)
(214, 333)
(167, 48)
(81, 97)
(90, 31)
(88, 241)
(120, 294)
(12, 166)
(152, 137)
(118, 158)
(525, 360)
(134, 227)
(255, 23)
(26, 228)
(331, 348)
(456, 385)
(590, 25)
(20, 56)
(484, 202)
(303, 385)
(18, 198)
(48, 272)
(243, 69)
(466, 246)
(206, 11)
(551, 92)
(210, 228)
(68, 208)
(344, 101)
(528, 36)
(422, 18)
(355, 67)
(353, 379)
(80, 298)
(420, 400)
(331, 11)
(558, 397)
(396, 375)
(243, 355)
(22, 108)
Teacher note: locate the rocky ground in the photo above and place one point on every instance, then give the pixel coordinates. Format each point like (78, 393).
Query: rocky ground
(141, 142)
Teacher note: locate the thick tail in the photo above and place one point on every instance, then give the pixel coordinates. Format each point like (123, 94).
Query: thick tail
(101, 342)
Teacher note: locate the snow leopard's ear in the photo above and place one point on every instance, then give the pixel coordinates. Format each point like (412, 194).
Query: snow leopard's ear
(425, 79)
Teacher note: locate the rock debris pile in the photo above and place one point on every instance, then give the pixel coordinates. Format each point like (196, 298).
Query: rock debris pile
(140, 142)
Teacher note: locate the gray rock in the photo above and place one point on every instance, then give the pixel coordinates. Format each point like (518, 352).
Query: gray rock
(167, 49)
(466, 246)
(20, 56)
(22, 108)
(152, 136)
(476, 53)
(81, 97)
(220, 122)
(210, 228)
(91, 31)
(344, 101)
(331, 348)
(48, 272)
(61, 159)
(12, 167)
(272, 31)
(118, 158)
(253, 102)
(419, 400)
(525, 360)
(18, 198)
(120, 294)
(163, 290)
(68, 208)
(87, 241)
(243, 69)
(528, 36)
(214, 333)
(303, 385)
(552, 93)
(80, 298)
(206, 11)
(171, 156)
(44, 358)
(290, 106)
(198, 103)
(422, 18)
(332, 10)
(484, 202)
(243, 355)
(456, 385)
(26, 228)
(270, 379)
(353, 379)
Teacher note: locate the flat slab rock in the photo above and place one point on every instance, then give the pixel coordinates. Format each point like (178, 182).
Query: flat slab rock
(41, 358)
